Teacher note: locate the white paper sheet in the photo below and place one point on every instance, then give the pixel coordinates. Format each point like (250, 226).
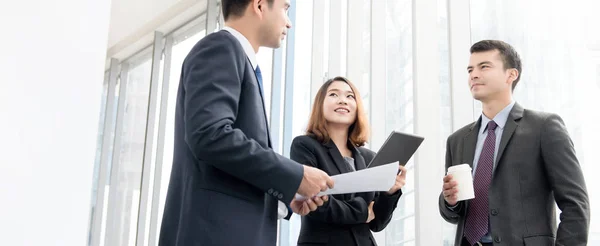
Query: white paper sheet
(380, 178)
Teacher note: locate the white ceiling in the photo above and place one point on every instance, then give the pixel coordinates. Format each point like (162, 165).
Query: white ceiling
(127, 16)
(133, 22)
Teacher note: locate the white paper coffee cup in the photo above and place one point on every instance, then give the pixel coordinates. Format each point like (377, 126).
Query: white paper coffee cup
(464, 178)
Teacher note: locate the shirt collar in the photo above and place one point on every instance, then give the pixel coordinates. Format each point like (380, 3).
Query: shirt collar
(500, 118)
(245, 44)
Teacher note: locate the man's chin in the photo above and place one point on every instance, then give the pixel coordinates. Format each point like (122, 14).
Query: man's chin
(477, 96)
(273, 45)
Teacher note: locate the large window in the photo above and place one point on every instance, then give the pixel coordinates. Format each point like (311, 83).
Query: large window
(559, 70)
(301, 86)
(126, 174)
(399, 109)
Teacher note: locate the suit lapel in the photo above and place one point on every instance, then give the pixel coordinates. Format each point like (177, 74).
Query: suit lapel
(337, 158)
(511, 125)
(359, 160)
(470, 143)
(360, 164)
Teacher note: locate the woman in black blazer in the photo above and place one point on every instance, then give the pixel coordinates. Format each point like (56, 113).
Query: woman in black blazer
(336, 132)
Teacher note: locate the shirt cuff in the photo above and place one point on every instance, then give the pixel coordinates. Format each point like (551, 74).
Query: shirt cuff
(282, 210)
(452, 208)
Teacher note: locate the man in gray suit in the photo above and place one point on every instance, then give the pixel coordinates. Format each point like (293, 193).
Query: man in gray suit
(523, 162)
(228, 186)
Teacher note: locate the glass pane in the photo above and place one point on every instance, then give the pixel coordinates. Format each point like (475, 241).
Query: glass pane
(343, 7)
(325, 37)
(365, 88)
(408, 204)
(178, 53)
(401, 232)
(399, 103)
(448, 230)
(302, 77)
(124, 204)
(410, 175)
(560, 53)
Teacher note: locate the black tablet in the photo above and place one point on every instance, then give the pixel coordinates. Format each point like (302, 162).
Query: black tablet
(399, 147)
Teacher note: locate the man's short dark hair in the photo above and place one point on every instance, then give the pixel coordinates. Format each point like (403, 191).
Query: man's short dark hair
(237, 7)
(510, 57)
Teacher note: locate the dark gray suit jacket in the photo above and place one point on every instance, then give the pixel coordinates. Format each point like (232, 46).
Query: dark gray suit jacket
(536, 167)
(342, 220)
(226, 179)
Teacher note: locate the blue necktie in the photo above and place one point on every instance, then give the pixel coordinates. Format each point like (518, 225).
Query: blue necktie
(259, 78)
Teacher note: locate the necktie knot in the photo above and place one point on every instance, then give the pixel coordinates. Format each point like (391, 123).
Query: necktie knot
(492, 125)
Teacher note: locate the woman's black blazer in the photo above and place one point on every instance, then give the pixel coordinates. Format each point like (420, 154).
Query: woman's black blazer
(341, 220)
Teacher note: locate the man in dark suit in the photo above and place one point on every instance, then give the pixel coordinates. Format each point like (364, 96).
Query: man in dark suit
(523, 163)
(228, 187)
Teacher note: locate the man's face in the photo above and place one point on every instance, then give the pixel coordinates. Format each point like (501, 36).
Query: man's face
(275, 22)
(488, 80)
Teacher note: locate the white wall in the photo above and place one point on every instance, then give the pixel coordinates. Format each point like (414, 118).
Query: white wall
(51, 70)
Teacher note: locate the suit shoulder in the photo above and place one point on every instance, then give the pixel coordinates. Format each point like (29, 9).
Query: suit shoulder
(462, 131)
(305, 140)
(538, 116)
(220, 36)
(214, 50)
(221, 40)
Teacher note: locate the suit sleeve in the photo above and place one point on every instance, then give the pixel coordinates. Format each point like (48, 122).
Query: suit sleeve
(384, 204)
(334, 211)
(451, 215)
(383, 208)
(212, 79)
(567, 182)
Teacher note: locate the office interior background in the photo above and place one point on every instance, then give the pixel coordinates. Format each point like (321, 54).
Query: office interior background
(88, 90)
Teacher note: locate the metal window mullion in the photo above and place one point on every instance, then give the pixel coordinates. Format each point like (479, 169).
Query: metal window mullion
(221, 21)
(111, 227)
(212, 15)
(105, 154)
(149, 139)
(162, 121)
